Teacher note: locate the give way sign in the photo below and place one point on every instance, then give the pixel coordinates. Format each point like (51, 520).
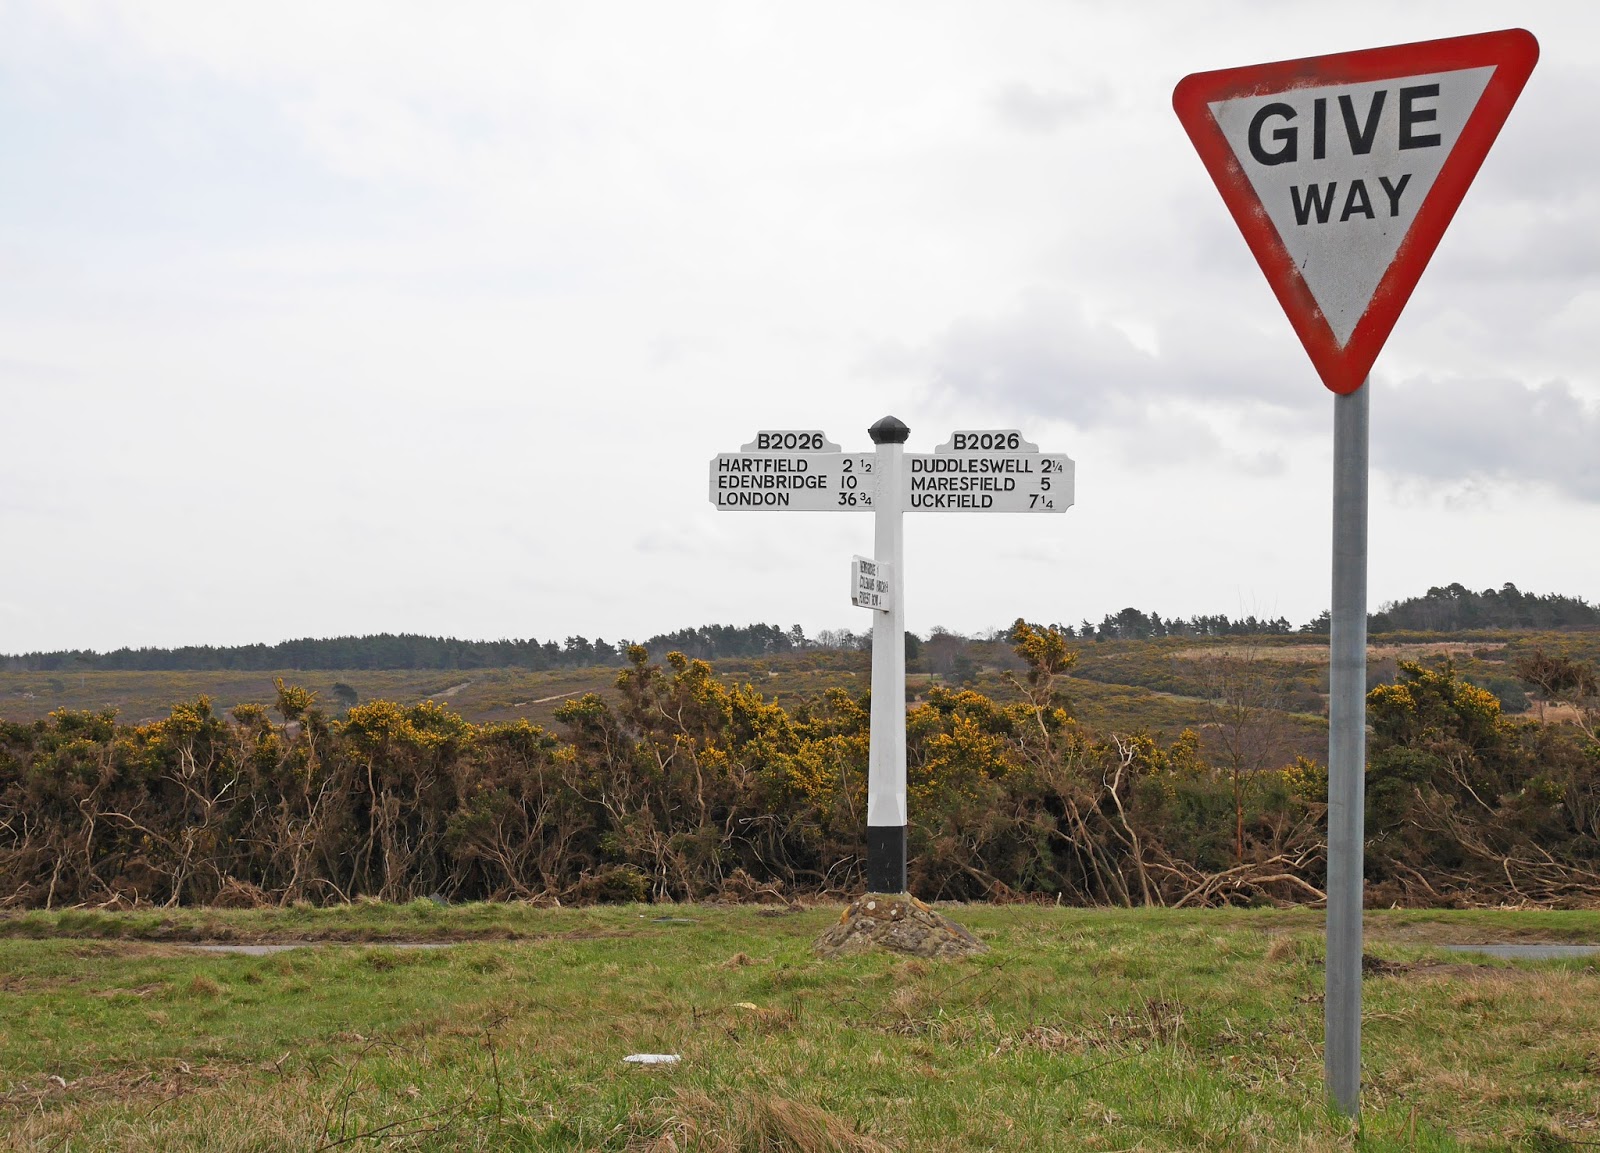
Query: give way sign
(1343, 172)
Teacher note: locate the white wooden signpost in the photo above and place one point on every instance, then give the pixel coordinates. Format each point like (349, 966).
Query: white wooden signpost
(1342, 172)
(985, 470)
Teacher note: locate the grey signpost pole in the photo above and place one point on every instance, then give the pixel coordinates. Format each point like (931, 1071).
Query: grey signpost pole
(886, 768)
(1347, 750)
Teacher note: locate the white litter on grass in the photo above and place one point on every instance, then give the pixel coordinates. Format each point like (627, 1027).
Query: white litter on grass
(653, 1058)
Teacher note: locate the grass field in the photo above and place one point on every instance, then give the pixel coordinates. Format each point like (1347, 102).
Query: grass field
(1081, 1029)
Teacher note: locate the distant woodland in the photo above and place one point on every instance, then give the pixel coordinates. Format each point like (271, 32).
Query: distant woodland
(409, 651)
(1447, 609)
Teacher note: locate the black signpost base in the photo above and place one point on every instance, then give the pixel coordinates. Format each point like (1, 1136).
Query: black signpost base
(886, 858)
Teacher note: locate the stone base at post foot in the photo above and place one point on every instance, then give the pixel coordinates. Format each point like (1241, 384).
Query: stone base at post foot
(899, 922)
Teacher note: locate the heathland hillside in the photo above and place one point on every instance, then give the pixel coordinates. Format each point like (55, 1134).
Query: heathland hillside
(1125, 678)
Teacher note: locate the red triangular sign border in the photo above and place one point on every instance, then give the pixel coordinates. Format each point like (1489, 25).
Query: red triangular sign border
(1512, 53)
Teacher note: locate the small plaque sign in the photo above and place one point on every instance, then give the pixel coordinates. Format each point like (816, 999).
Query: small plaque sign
(870, 587)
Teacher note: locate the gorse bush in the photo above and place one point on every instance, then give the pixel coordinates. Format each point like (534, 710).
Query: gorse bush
(689, 787)
(1461, 800)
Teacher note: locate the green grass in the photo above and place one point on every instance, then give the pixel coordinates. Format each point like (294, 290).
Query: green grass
(1081, 1029)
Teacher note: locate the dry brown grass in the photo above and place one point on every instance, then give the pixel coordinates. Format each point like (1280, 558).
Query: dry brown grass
(56, 1113)
(202, 986)
(1283, 948)
(1044, 1038)
(1556, 713)
(1318, 653)
(1154, 1024)
(692, 1121)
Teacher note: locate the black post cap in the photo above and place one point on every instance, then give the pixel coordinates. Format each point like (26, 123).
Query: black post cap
(889, 430)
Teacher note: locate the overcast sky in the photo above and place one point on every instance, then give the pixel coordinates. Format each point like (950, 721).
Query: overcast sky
(343, 318)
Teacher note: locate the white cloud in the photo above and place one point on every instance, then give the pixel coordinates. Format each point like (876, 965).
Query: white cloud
(1484, 431)
(1045, 110)
(332, 318)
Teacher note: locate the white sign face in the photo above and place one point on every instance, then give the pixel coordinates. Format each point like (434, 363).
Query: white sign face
(1342, 170)
(987, 482)
(870, 586)
(794, 481)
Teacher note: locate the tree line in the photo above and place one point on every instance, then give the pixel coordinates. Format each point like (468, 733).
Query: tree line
(687, 787)
(1450, 608)
(411, 651)
(1442, 609)
(1135, 624)
(1454, 608)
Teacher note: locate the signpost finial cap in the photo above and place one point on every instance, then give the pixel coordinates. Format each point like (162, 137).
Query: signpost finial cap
(889, 430)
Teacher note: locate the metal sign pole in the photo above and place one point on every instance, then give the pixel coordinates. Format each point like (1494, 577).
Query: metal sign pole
(1343, 283)
(886, 771)
(1347, 750)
